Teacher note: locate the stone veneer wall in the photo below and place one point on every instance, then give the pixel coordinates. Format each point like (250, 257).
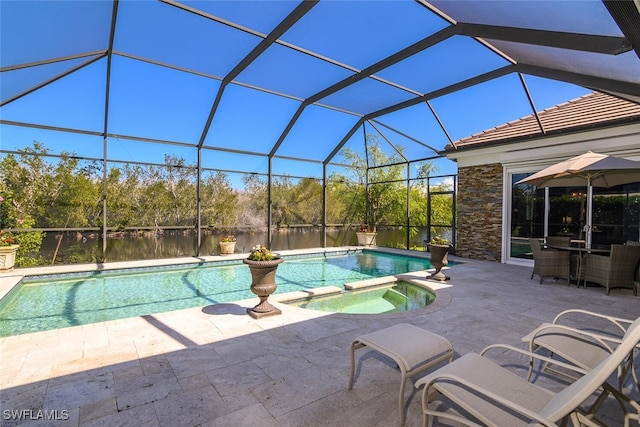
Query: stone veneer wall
(479, 212)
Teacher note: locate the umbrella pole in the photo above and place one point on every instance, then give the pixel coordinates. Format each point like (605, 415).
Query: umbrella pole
(588, 226)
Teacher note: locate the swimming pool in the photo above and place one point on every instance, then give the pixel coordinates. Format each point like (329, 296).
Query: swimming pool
(60, 301)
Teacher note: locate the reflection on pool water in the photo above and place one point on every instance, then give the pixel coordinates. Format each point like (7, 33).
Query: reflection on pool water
(392, 298)
(58, 301)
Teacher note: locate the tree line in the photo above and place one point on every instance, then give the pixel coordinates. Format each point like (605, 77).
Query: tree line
(43, 191)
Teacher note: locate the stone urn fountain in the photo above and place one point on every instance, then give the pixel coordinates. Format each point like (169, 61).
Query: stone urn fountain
(438, 260)
(263, 284)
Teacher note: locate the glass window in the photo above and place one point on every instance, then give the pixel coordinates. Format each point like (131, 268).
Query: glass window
(567, 212)
(527, 216)
(616, 214)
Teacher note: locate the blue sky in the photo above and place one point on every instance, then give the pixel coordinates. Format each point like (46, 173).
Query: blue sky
(152, 101)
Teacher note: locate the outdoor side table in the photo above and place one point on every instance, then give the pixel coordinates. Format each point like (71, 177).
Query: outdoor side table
(412, 348)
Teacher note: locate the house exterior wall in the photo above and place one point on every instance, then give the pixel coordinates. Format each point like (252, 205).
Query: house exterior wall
(484, 185)
(479, 212)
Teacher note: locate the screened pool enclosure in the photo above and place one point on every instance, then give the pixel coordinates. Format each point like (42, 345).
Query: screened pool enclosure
(150, 129)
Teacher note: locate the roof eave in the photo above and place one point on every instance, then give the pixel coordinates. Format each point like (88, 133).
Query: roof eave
(451, 148)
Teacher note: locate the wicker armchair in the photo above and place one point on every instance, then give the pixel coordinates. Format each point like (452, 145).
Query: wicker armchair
(549, 263)
(616, 271)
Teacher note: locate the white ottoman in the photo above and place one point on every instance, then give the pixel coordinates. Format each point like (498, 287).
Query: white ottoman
(411, 347)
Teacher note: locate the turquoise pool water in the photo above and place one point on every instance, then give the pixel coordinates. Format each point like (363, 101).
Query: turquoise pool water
(61, 301)
(392, 298)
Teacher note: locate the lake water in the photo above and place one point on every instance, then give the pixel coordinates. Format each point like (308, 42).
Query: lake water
(78, 248)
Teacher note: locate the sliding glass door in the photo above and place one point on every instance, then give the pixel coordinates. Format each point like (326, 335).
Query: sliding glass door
(538, 212)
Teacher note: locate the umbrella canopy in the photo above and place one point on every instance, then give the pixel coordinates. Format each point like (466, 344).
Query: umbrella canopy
(597, 170)
(591, 170)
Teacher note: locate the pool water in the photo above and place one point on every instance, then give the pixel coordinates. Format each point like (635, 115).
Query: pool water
(392, 298)
(58, 302)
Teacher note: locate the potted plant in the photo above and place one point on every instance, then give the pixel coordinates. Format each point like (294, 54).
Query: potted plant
(263, 265)
(227, 245)
(439, 248)
(366, 236)
(8, 248)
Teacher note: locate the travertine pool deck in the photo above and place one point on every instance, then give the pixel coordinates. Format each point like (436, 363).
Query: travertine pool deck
(216, 366)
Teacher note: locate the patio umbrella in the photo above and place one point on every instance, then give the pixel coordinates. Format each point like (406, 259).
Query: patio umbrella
(591, 170)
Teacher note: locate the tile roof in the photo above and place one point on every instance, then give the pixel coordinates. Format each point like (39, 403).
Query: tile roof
(593, 110)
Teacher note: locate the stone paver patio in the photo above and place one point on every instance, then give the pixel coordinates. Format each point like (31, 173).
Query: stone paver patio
(216, 366)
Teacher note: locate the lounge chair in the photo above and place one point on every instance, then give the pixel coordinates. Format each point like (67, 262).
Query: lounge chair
(492, 395)
(616, 271)
(549, 263)
(585, 345)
